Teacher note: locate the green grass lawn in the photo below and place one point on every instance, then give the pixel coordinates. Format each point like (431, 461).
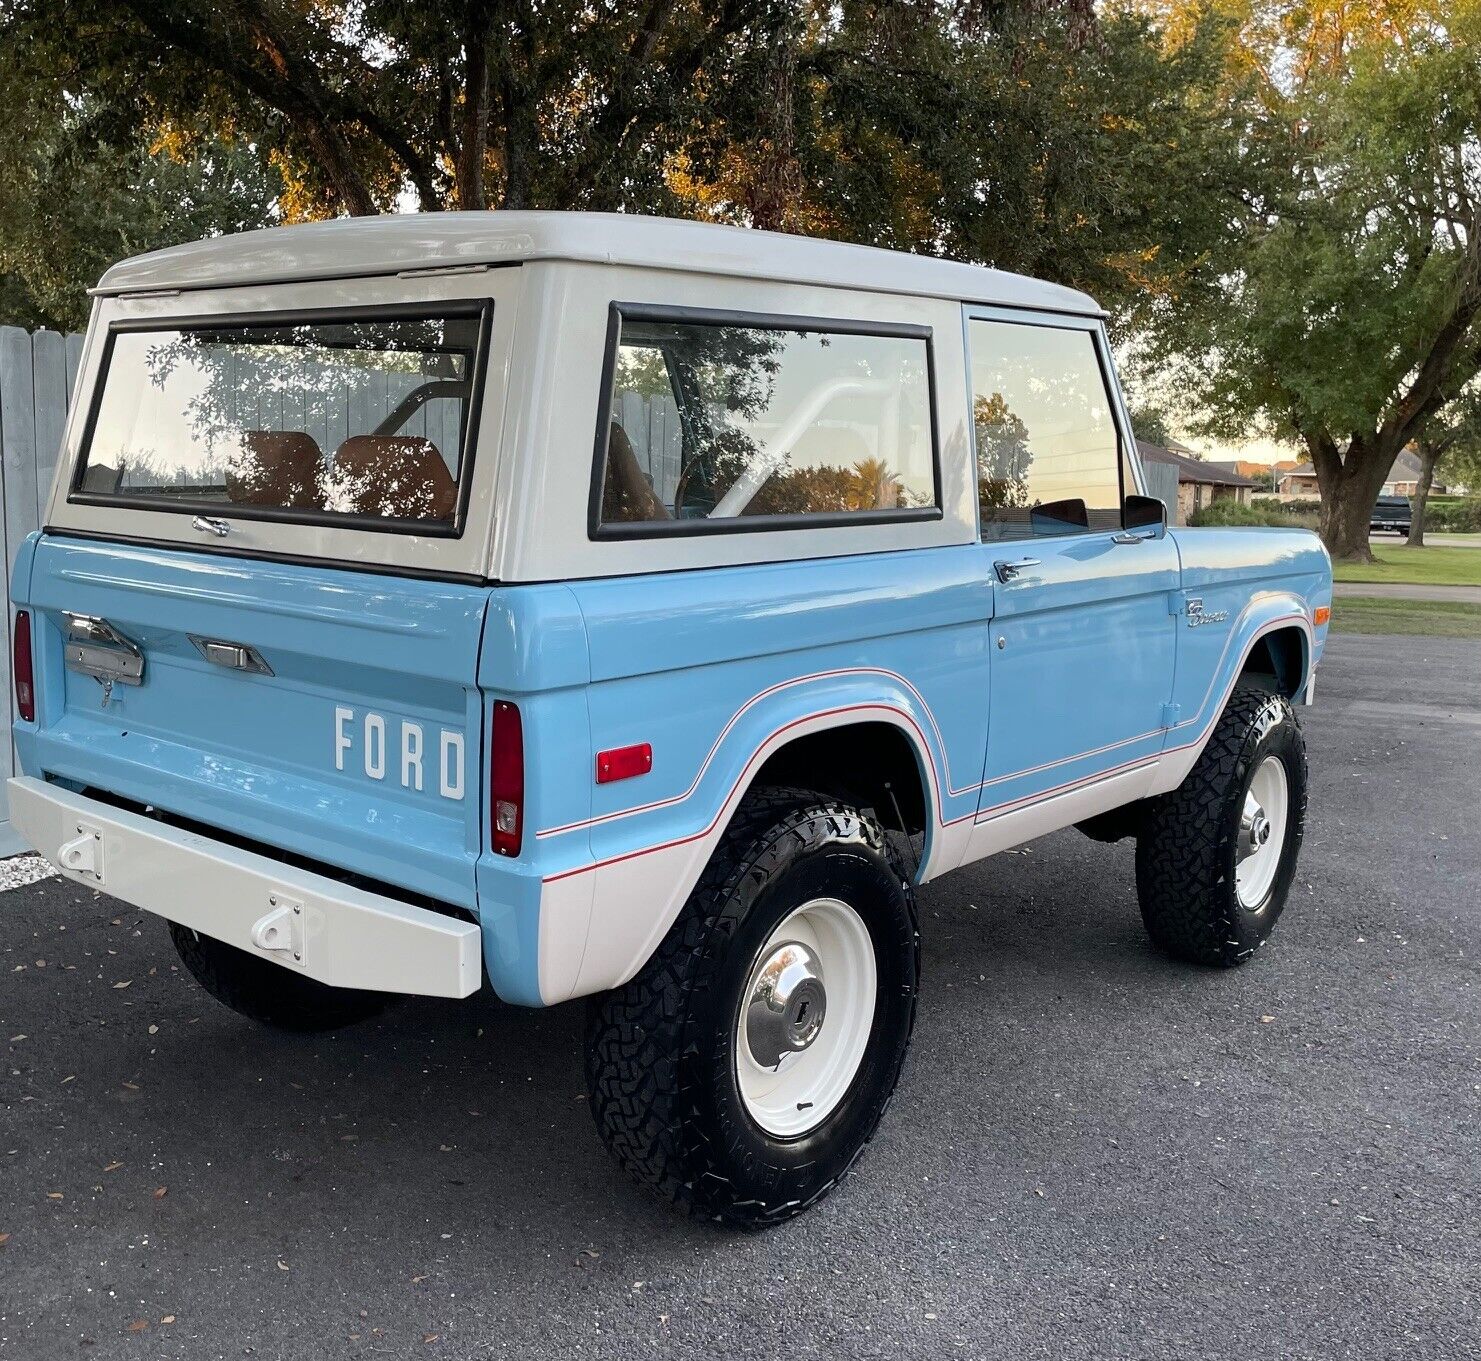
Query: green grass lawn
(1433, 565)
(1438, 619)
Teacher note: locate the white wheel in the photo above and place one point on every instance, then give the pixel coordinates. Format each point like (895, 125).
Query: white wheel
(805, 1017)
(1262, 832)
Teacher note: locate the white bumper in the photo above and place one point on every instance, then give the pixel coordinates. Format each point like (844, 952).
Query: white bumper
(340, 935)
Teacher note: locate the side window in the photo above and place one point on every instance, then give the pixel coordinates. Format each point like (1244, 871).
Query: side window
(1048, 455)
(711, 421)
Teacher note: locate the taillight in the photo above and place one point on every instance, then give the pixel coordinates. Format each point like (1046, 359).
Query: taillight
(25, 683)
(506, 779)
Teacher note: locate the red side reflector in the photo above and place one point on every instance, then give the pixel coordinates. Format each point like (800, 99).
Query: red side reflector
(25, 682)
(622, 763)
(506, 779)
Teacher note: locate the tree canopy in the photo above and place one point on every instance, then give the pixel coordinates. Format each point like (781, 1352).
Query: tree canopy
(1034, 135)
(1347, 309)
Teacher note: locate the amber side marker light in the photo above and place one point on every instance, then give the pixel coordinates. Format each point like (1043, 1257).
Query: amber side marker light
(1321, 615)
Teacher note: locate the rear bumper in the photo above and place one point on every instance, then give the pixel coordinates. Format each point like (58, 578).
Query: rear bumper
(340, 935)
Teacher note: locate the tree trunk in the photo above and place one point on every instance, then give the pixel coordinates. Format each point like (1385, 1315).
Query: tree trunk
(473, 134)
(1350, 483)
(1429, 455)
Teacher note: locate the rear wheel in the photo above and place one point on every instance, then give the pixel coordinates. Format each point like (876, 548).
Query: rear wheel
(1215, 858)
(267, 992)
(746, 1066)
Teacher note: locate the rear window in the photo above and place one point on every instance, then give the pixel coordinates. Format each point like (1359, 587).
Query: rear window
(319, 419)
(714, 422)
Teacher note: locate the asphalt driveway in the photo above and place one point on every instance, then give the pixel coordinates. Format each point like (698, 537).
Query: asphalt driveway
(1094, 1153)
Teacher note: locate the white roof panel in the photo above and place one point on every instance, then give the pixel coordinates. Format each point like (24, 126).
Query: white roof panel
(358, 246)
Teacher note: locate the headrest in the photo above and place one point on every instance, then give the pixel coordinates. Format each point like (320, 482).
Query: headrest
(399, 477)
(276, 468)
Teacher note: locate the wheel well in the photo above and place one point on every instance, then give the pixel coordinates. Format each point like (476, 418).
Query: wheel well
(1278, 660)
(873, 765)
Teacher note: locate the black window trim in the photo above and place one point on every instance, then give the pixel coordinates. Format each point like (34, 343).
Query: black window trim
(480, 308)
(1096, 334)
(751, 524)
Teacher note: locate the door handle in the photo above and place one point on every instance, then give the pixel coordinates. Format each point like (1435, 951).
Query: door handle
(1127, 537)
(1007, 571)
(209, 524)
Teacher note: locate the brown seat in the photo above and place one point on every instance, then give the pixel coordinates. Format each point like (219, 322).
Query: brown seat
(277, 468)
(397, 477)
(627, 495)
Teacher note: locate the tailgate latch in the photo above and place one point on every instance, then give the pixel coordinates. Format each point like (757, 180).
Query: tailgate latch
(83, 854)
(95, 648)
(281, 930)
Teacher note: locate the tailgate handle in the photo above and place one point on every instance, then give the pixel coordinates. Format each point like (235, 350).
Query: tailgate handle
(233, 656)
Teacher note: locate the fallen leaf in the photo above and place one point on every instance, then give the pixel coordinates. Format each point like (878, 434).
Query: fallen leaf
(160, 1192)
(282, 1265)
(139, 1325)
(154, 1030)
(133, 1086)
(16, 1039)
(4, 1239)
(1266, 1020)
(116, 986)
(113, 1167)
(54, 1195)
(72, 1077)
(168, 1318)
(431, 1338)
(417, 1280)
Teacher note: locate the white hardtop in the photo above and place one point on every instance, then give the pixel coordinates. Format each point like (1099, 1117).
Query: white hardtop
(401, 243)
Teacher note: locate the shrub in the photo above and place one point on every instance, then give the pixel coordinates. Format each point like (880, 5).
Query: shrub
(1460, 516)
(1292, 505)
(1230, 513)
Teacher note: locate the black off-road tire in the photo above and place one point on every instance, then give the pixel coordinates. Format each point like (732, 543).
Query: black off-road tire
(1186, 849)
(661, 1060)
(269, 993)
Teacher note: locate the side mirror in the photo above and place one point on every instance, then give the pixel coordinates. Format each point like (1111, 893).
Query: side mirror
(1144, 512)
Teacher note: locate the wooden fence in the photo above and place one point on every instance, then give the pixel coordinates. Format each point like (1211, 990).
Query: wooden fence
(37, 373)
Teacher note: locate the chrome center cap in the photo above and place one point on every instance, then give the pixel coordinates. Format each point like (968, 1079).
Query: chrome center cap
(1254, 829)
(787, 1003)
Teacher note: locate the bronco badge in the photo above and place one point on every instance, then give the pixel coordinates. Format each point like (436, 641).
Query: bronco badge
(1198, 616)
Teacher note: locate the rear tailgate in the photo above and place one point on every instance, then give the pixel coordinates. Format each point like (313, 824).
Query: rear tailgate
(357, 747)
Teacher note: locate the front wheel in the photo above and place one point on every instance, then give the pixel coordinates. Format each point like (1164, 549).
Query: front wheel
(745, 1067)
(1215, 858)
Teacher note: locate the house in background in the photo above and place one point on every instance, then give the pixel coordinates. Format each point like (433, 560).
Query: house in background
(1199, 483)
(1403, 479)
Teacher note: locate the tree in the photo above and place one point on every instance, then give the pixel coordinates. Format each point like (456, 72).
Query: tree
(447, 103)
(1344, 314)
(1037, 135)
(1148, 422)
(83, 190)
(1453, 434)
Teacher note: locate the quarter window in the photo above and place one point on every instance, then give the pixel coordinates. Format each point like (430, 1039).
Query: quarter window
(1048, 452)
(303, 420)
(714, 424)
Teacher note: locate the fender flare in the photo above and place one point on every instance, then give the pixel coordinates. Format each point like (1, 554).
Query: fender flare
(636, 868)
(1265, 613)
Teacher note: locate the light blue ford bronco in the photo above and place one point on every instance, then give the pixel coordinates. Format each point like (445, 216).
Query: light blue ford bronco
(641, 611)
